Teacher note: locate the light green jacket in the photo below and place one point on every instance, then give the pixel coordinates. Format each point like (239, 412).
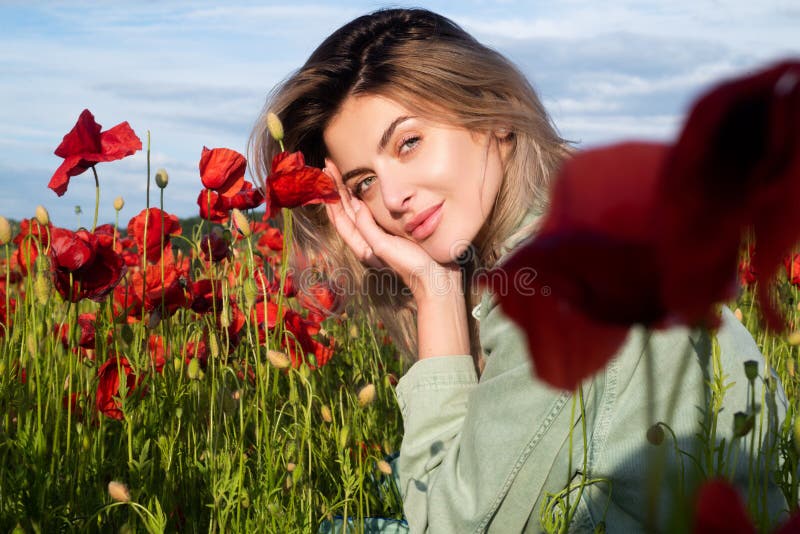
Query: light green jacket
(480, 455)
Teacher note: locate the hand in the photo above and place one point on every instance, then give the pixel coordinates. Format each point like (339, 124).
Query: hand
(373, 246)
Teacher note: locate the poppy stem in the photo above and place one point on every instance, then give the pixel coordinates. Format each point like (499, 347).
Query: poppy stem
(96, 197)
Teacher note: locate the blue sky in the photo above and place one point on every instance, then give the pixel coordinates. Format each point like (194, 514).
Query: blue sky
(197, 73)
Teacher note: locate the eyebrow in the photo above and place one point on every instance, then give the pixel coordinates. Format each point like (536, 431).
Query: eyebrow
(387, 135)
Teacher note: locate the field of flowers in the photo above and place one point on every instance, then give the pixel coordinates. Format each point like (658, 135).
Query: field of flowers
(210, 388)
(142, 387)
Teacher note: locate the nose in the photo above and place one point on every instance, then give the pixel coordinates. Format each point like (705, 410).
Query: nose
(396, 190)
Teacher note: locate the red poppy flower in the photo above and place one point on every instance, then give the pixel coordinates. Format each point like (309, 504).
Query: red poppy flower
(5, 314)
(272, 239)
(222, 170)
(300, 344)
(719, 510)
(747, 274)
(736, 165)
(320, 300)
(32, 238)
(249, 197)
(157, 351)
(612, 251)
(83, 266)
(292, 183)
(162, 285)
(197, 350)
(213, 206)
(85, 145)
(591, 268)
(792, 265)
(107, 400)
(158, 231)
(206, 295)
(214, 247)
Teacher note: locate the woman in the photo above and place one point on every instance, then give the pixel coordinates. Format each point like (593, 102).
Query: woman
(443, 154)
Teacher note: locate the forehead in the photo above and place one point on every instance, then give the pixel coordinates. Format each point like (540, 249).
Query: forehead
(361, 117)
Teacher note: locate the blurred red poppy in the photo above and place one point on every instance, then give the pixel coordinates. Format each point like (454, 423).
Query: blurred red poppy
(160, 225)
(292, 183)
(719, 510)
(161, 285)
(222, 170)
(736, 165)
(83, 266)
(591, 268)
(320, 300)
(85, 145)
(107, 399)
(248, 197)
(650, 234)
(792, 264)
(747, 274)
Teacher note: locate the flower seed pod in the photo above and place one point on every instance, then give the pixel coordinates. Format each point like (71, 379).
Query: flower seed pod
(42, 216)
(275, 126)
(278, 359)
(366, 395)
(326, 414)
(751, 369)
(5, 230)
(655, 434)
(119, 491)
(742, 424)
(162, 178)
(240, 222)
(794, 338)
(384, 467)
(119, 203)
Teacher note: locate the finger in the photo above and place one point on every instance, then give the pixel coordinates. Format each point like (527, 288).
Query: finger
(350, 234)
(333, 171)
(375, 236)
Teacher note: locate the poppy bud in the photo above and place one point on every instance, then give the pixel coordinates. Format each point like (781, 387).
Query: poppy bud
(344, 433)
(275, 126)
(742, 424)
(213, 345)
(278, 359)
(353, 331)
(751, 369)
(790, 367)
(326, 414)
(240, 222)
(42, 216)
(41, 288)
(655, 434)
(366, 395)
(5, 230)
(738, 314)
(119, 203)
(193, 369)
(384, 467)
(119, 491)
(794, 338)
(250, 293)
(291, 466)
(162, 178)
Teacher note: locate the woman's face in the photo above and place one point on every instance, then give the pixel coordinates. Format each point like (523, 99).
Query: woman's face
(431, 183)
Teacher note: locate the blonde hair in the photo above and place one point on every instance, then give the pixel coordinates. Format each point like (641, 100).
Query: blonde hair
(431, 66)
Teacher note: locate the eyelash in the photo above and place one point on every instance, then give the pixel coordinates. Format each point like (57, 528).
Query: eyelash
(358, 190)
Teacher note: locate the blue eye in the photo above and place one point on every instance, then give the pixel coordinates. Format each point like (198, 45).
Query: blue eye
(409, 143)
(363, 185)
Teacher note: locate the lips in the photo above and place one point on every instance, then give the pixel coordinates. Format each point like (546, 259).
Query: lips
(425, 222)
